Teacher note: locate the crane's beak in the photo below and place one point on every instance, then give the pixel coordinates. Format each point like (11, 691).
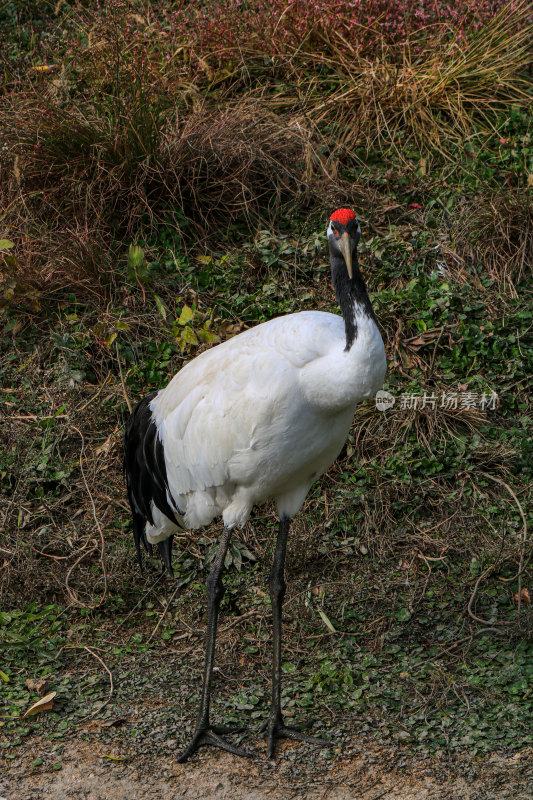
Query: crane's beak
(345, 245)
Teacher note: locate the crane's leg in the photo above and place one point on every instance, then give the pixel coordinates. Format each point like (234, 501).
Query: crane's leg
(275, 724)
(206, 733)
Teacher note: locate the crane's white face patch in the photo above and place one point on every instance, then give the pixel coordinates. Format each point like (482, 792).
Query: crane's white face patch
(333, 239)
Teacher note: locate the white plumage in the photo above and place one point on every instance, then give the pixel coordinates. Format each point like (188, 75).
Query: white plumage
(257, 418)
(262, 416)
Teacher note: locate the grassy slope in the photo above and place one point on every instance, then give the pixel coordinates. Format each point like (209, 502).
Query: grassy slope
(403, 567)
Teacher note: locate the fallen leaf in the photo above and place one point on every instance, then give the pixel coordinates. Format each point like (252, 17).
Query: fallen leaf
(44, 67)
(37, 685)
(44, 704)
(188, 336)
(525, 597)
(106, 446)
(109, 723)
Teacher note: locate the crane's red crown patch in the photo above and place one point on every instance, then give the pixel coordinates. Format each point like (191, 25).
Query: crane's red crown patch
(342, 215)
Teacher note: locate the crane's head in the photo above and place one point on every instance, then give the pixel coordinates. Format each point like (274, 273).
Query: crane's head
(344, 232)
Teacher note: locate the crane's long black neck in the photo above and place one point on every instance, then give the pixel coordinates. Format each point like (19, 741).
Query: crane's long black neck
(351, 295)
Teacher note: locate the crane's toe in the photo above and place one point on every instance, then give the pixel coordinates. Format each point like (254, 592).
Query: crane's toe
(278, 730)
(212, 736)
(221, 730)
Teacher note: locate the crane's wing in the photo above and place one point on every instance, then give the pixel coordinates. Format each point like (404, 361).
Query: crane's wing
(223, 409)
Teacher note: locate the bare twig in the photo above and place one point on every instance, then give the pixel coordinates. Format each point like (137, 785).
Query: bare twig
(162, 617)
(96, 394)
(126, 398)
(74, 597)
(473, 597)
(111, 685)
(242, 617)
(522, 565)
(136, 606)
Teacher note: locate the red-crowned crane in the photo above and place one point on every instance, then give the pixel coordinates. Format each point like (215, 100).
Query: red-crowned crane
(259, 417)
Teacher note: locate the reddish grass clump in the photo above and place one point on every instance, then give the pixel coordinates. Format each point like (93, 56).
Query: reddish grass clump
(279, 26)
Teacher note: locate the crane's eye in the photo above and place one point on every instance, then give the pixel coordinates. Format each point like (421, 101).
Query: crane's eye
(336, 232)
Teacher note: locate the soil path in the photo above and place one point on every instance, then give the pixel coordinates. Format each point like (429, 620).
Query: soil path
(88, 772)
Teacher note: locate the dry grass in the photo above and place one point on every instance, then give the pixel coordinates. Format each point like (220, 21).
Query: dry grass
(497, 231)
(81, 167)
(428, 101)
(76, 179)
(239, 161)
(219, 163)
(72, 544)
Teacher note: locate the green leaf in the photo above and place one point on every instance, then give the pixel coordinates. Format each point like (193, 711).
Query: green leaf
(475, 566)
(135, 257)
(403, 615)
(188, 336)
(5, 244)
(207, 336)
(137, 267)
(160, 307)
(326, 620)
(4, 677)
(186, 315)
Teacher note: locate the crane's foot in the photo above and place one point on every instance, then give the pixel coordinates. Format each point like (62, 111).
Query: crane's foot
(278, 730)
(213, 735)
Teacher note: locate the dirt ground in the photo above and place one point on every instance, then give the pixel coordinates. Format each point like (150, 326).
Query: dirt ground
(88, 772)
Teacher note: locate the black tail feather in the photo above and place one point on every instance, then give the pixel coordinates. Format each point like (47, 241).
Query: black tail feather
(139, 535)
(165, 550)
(146, 478)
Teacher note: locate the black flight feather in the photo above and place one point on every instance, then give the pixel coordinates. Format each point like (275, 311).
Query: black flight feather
(146, 476)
